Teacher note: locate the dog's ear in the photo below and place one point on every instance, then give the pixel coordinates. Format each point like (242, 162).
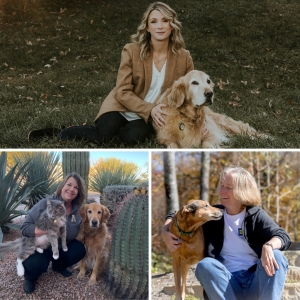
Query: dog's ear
(189, 208)
(177, 94)
(106, 214)
(82, 212)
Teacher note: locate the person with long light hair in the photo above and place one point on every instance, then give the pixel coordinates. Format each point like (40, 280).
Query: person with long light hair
(149, 65)
(243, 258)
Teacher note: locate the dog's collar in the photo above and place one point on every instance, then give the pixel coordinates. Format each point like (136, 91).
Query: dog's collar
(189, 234)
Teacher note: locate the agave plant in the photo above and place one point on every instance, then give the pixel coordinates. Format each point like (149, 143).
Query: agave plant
(44, 172)
(13, 191)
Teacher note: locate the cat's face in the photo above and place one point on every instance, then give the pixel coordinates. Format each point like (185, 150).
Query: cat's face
(56, 208)
(70, 190)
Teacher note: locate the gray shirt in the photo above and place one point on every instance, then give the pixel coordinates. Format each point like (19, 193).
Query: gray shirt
(73, 219)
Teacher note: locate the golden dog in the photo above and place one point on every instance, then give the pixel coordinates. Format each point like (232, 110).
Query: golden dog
(186, 224)
(190, 123)
(94, 234)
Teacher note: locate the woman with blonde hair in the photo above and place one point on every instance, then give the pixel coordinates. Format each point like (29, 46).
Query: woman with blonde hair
(149, 65)
(243, 258)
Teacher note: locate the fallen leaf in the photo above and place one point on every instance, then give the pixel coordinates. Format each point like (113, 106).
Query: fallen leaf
(221, 83)
(234, 104)
(277, 114)
(44, 96)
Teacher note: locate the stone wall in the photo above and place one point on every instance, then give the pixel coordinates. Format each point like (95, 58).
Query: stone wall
(165, 284)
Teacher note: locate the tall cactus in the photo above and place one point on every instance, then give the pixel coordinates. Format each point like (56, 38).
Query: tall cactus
(114, 195)
(127, 270)
(3, 164)
(78, 162)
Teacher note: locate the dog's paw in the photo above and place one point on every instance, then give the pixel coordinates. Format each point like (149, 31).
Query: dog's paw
(65, 249)
(20, 268)
(92, 281)
(80, 274)
(55, 256)
(39, 250)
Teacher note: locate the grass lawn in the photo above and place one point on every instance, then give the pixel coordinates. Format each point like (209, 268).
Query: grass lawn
(59, 60)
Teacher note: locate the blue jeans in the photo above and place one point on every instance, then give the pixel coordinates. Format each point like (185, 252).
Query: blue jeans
(219, 283)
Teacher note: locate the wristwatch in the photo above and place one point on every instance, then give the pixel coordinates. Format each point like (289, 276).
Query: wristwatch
(269, 244)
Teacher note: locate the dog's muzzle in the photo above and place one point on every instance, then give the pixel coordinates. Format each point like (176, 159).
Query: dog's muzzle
(208, 102)
(94, 223)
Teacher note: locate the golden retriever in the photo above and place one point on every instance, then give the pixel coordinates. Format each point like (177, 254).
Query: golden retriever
(94, 234)
(190, 123)
(187, 225)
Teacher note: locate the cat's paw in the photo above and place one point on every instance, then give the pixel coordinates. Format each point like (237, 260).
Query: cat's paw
(65, 249)
(55, 256)
(20, 268)
(39, 250)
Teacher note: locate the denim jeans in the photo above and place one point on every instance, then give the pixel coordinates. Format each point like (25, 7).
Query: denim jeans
(219, 283)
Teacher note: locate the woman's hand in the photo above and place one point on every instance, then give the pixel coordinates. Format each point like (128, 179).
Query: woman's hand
(268, 260)
(169, 238)
(39, 232)
(157, 114)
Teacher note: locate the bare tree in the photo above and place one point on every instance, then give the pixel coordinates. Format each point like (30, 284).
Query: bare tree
(204, 175)
(170, 182)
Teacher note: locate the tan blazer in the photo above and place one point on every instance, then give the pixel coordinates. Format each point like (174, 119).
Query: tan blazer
(134, 79)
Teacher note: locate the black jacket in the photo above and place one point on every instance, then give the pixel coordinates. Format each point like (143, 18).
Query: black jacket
(258, 228)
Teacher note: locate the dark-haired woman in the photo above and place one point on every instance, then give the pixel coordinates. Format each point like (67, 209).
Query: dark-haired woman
(72, 192)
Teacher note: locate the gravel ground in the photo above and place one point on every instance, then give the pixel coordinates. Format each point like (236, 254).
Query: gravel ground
(49, 286)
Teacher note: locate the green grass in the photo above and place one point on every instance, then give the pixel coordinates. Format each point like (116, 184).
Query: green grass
(251, 46)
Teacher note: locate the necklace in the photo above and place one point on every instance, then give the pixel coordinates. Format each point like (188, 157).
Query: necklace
(158, 59)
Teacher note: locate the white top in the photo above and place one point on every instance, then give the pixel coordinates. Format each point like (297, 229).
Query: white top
(236, 253)
(154, 90)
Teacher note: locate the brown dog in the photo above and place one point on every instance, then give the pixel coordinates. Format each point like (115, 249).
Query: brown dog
(94, 234)
(186, 224)
(190, 123)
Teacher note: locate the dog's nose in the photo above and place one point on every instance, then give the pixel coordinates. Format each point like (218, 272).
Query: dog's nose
(94, 223)
(208, 94)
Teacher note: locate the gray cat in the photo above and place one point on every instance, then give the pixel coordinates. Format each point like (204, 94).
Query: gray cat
(53, 220)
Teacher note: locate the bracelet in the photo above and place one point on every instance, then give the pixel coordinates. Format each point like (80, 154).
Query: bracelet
(269, 244)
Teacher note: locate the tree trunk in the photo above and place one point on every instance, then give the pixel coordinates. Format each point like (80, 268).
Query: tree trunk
(204, 176)
(170, 182)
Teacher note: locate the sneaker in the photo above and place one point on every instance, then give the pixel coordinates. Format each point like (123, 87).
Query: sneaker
(28, 286)
(41, 133)
(65, 273)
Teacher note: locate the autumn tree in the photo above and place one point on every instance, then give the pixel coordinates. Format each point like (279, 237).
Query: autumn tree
(204, 176)
(170, 181)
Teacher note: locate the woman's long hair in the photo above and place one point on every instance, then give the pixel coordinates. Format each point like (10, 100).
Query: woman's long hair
(143, 37)
(81, 187)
